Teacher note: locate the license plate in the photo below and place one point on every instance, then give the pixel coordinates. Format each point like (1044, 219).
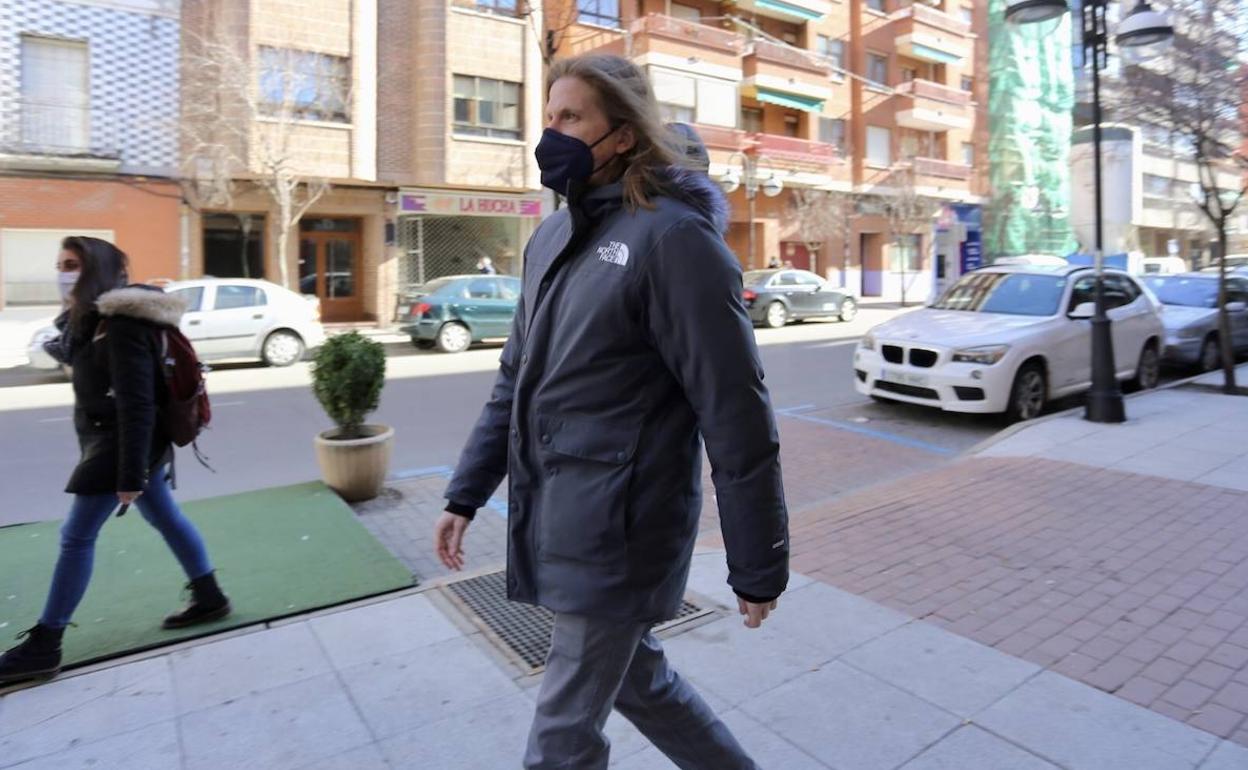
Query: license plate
(904, 378)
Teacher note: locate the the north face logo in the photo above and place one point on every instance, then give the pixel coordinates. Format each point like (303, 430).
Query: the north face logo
(614, 252)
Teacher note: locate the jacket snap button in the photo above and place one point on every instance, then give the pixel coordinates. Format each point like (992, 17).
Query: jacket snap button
(545, 438)
(622, 456)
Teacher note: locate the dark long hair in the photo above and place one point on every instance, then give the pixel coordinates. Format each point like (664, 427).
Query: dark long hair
(104, 268)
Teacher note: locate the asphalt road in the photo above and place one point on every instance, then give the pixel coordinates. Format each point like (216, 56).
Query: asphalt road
(264, 419)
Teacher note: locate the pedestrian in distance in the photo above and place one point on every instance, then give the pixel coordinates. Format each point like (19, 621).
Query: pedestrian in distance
(630, 349)
(485, 266)
(111, 337)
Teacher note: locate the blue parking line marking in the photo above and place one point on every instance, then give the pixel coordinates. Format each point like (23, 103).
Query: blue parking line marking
(446, 472)
(415, 473)
(906, 441)
(795, 409)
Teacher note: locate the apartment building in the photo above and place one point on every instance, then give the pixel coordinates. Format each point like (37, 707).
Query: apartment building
(279, 131)
(461, 113)
(88, 138)
(871, 98)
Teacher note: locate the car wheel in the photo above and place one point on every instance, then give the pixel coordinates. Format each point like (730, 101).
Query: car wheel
(454, 338)
(1148, 371)
(1210, 354)
(777, 315)
(849, 310)
(1028, 394)
(422, 344)
(282, 348)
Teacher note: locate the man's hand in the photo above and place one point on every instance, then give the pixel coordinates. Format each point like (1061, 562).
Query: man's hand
(755, 614)
(127, 498)
(448, 537)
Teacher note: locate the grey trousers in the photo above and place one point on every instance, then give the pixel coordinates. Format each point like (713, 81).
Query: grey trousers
(596, 664)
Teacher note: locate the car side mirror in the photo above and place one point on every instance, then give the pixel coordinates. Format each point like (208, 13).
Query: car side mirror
(1082, 311)
(1236, 307)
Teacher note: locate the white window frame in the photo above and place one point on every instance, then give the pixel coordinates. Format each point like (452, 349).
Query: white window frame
(874, 135)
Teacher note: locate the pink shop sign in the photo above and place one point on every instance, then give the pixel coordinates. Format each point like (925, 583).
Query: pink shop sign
(469, 205)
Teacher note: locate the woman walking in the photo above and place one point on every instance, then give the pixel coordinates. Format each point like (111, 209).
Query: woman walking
(111, 336)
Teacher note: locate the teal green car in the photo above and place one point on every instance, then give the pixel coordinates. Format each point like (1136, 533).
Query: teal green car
(453, 312)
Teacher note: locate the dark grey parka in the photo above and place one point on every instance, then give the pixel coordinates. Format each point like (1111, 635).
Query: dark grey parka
(630, 342)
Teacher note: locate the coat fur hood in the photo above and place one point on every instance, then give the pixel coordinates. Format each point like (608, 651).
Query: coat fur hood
(145, 303)
(696, 189)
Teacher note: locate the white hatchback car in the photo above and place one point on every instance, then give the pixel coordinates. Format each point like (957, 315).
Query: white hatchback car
(234, 318)
(1009, 339)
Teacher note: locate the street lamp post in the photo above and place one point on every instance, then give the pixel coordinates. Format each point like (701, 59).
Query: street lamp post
(771, 187)
(1142, 27)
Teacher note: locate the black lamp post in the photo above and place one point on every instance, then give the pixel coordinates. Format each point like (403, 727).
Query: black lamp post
(771, 187)
(1142, 27)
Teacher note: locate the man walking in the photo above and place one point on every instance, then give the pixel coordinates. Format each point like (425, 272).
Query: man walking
(630, 342)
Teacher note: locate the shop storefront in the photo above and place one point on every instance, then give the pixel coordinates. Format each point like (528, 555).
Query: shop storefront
(451, 233)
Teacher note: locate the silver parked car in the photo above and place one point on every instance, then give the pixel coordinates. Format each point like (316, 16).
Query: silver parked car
(233, 318)
(1190, 315)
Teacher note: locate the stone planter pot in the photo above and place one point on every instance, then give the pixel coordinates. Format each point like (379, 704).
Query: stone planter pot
(355, 468)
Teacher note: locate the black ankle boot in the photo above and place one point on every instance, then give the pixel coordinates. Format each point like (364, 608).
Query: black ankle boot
(207, 604)
(37, 657)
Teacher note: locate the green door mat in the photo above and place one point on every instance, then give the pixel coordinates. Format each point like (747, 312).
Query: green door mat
(277, 552)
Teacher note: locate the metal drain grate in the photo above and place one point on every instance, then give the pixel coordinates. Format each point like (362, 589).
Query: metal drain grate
(522, 631)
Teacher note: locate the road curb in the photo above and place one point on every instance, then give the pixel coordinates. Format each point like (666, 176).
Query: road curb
(1021, 426)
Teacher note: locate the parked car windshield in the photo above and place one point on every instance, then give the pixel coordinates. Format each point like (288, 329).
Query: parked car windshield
(1008, 293)
(1188, 292)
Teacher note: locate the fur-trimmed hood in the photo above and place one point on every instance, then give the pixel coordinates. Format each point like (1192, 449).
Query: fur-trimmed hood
(696, 189)
(146, 303)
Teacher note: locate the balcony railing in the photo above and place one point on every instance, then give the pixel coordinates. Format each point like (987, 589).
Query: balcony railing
(692, 32)
(941, 168)
(922, 14)
(720, 138)
(925, 89)
(36, 128)
(765, 50)
(792, 150)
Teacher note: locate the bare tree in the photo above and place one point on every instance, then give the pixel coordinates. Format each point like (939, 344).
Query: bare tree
(240, 119)
(1195, 93)
(822, 216)
(907, 213)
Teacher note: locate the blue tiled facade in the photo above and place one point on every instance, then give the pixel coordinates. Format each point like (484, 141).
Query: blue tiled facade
(133, 68)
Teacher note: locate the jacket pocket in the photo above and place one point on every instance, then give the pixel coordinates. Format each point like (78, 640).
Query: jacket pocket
(587, 468)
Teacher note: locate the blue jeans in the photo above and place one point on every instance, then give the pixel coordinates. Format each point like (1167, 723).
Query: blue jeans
(596, 665)
(87, 516)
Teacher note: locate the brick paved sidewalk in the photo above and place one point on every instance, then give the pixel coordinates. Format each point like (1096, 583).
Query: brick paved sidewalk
(1134, 584)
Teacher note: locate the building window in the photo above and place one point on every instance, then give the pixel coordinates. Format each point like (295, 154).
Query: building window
(877, 68)
(676, 113)
(791, 125)
(305, 85)
(968, 154)
(878, 5)
(908, 74)
(968, 15)
(55, 107)
(485, 107)
(832, 131)
(1157, 186)
(916, 144)
(604, 13)
(907, 254)
(751, 120)
(831, 50)
(968, 83)
(501, 7)
(879, 147)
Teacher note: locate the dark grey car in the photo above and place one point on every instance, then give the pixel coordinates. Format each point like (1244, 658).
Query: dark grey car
(777, 296)
(1190, 314)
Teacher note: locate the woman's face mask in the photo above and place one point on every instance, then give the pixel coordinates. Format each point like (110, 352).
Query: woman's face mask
(564, 159)
(68, 269)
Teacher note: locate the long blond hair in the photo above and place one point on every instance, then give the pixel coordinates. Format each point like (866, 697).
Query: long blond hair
(625, 95)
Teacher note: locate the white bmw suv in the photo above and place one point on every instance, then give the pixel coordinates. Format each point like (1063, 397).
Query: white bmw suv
(1009, 339)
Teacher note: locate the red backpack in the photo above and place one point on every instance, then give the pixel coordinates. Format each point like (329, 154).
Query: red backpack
(186, 410)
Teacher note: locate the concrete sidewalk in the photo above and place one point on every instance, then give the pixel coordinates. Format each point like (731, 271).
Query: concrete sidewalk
(831, 681)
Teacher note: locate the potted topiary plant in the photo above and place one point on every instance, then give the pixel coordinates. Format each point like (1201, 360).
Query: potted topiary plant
(347, 374)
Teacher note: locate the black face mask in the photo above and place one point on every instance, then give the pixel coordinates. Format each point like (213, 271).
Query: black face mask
(565, 159)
